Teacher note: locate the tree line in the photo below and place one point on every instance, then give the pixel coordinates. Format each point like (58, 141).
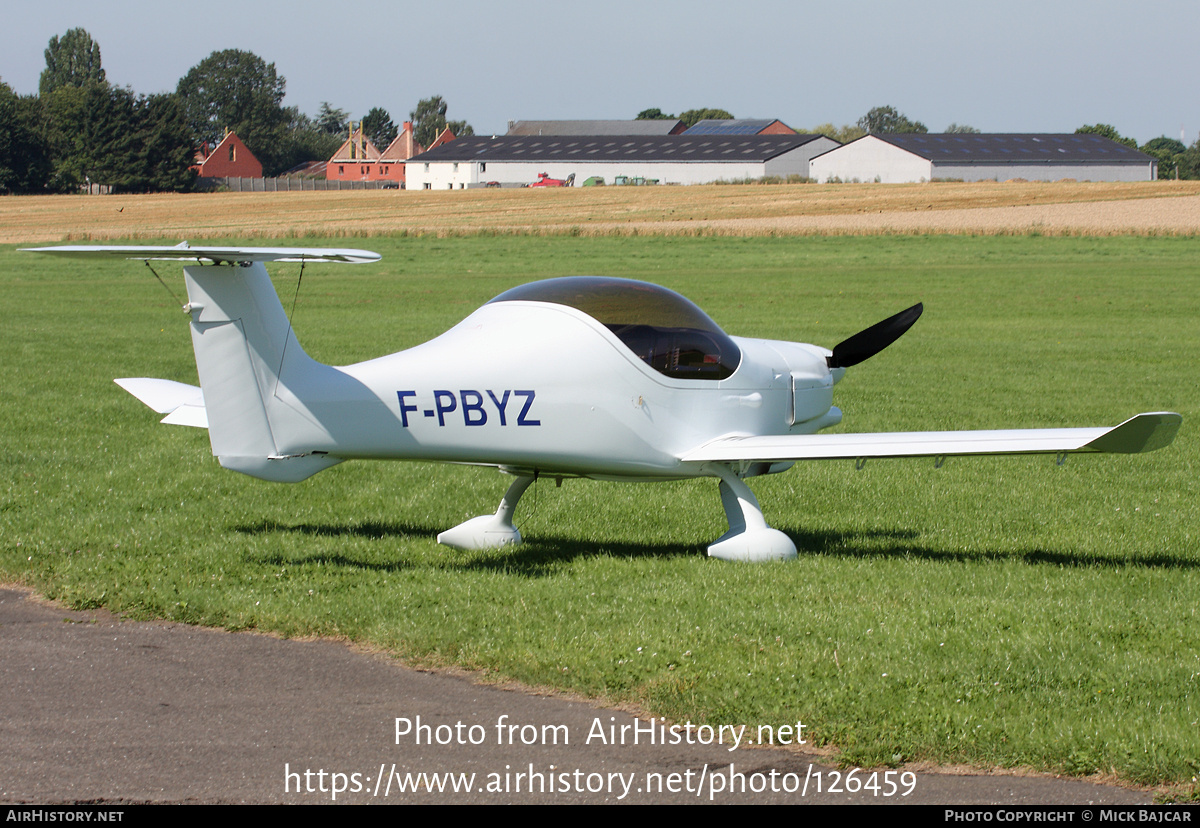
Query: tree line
(80, 130)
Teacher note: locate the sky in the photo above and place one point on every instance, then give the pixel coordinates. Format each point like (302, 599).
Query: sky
(1011, 66)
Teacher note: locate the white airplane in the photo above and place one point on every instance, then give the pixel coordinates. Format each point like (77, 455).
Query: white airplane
(609, 379)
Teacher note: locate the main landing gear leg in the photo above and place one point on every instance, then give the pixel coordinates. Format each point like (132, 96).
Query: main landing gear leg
(749, 538)
(490, 531)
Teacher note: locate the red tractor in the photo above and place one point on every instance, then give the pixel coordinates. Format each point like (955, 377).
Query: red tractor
(544, 180)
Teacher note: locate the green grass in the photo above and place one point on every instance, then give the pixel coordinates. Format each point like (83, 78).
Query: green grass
(999, 612)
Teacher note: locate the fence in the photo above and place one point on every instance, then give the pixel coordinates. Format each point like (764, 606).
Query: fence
(286, 184)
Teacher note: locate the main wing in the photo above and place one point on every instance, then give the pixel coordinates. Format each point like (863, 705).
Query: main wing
(215, 255)
(1144, 432)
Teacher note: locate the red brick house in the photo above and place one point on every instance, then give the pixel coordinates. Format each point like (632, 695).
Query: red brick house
(355, 160)
(444, 137)
(359, 160)
(402, 148)
(230, 157)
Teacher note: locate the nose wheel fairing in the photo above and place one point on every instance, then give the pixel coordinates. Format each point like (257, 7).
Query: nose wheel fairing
(749, 537)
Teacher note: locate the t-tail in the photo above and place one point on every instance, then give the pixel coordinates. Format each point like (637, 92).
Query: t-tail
(254, 376)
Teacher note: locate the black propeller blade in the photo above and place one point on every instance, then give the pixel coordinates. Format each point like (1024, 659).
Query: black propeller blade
(867, 343)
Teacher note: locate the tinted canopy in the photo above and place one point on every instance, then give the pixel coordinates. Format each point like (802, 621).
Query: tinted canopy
(665, 330)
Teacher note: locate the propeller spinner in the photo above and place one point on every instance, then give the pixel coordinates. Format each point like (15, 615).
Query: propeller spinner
(867, 343)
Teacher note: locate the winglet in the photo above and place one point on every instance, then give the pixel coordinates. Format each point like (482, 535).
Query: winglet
(1143, 432)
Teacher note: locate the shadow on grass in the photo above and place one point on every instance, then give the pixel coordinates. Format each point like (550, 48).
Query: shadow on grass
(367, 529)
(540, 555)
(543, 555)
(890, 544)
(536, 557)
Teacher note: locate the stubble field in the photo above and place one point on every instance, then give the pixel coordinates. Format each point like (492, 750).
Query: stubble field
(999, 612)
(1062, 208)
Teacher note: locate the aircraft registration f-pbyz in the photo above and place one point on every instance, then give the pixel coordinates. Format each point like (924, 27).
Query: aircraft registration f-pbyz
(583, 376)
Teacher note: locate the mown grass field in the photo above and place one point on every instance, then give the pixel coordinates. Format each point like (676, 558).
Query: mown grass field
(997, 612)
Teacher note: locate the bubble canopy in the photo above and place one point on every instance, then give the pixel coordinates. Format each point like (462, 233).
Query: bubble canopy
(665, 330)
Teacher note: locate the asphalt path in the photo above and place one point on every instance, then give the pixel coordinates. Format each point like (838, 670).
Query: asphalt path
(102, 710)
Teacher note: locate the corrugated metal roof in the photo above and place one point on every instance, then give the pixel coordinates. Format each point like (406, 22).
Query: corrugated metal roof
(1012, 148)
(738, 126)
(656, 127)
(681, 148)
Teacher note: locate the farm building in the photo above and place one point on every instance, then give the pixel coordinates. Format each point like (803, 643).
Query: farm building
(916, 157)
(740, 126)
(670, 159)
(596, 128)
(230, 157)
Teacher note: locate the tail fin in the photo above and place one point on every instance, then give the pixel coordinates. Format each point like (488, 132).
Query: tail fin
(252, 370)
(244, 348)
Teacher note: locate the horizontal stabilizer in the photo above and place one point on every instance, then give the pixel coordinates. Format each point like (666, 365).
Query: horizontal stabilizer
(1144, 432)
(213, 255)
(182, 403)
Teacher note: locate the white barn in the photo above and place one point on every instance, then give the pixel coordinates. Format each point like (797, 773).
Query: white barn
(915, 157)
(670, 159)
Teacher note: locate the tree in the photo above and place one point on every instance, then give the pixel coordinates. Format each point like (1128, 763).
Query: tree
(843, 134)
(961, 129)
(24, 161)
(887, 119)
(1166, 151)
(301, 141)
(460, 128)
(1108, 132)
(378, 127)
(1169, 146)
(694, 116)
(92, 136)
(66, 137)
(1189, 162)
(166, 152)
(332, 121)
(240, 91)
(654, 115)
(110, 136)
(429, 119)
(73, 60)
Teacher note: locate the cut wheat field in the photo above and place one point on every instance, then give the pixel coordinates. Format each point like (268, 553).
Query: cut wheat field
(988, 208)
